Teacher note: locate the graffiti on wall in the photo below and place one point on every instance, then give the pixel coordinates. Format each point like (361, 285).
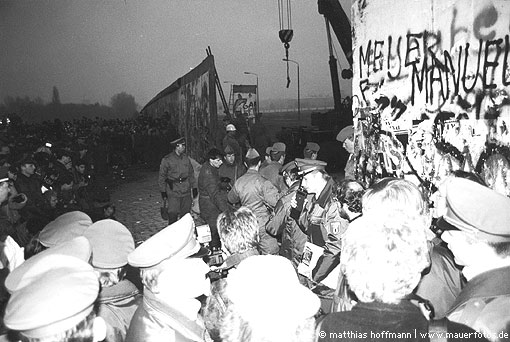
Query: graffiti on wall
(437, 71)
(461, 65)
(190, 102)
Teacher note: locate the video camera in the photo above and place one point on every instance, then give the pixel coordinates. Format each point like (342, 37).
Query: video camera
(215, 260)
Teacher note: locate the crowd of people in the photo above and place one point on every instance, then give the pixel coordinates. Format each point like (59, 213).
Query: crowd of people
(56, 167)
(292, 255)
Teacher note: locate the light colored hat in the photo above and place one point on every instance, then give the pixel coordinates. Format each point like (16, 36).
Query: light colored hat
(230, 128)
(64, 228)
(45, 261)
(175, 241)
(111, 243)
(251, 290)
(345, 133)
(55, 301)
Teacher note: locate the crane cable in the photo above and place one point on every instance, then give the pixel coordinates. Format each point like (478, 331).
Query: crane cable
(286, 33)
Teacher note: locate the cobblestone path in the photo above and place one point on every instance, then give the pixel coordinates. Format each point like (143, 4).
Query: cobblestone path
(138, 201)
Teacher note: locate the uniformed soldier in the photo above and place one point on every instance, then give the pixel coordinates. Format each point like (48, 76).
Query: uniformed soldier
(173, 275)
(477, 224)
(252, 190)
(320, 218)
(176, 181)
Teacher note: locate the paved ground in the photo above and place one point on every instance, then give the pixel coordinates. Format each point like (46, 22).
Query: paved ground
(138, 200)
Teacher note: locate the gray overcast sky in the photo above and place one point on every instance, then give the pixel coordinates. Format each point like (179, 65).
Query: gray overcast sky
(92, 50)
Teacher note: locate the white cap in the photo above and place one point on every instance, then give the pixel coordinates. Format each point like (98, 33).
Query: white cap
(231, 128)
(178, 240)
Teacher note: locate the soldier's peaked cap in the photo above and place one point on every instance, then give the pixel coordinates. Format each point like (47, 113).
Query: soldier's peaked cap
(289, 167)
(41, 263)
(474, 208)
(345, 133)
(178, 141)
(55, 301)
(175, 241)
(309, 165)
(111, 243)
(64, 228)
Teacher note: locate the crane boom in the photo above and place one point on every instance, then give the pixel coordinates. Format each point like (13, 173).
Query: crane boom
(337, 18)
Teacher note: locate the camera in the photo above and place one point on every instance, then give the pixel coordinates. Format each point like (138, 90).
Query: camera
(300, 200)
(215, 259)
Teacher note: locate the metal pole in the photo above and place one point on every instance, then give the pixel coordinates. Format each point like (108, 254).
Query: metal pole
(258, 91)
(231, 95)
(298, 96)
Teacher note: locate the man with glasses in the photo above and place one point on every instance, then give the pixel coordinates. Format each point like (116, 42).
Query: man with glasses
(176, 180)
(211, 201)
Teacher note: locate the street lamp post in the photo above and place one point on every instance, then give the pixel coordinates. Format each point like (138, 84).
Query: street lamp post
(258, 103)
(298, 90)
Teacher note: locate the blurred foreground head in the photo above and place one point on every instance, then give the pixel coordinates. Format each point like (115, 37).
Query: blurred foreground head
(259, 313)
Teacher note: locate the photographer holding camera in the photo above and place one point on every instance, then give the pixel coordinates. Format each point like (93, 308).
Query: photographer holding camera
(284, 222)
(239, 234)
